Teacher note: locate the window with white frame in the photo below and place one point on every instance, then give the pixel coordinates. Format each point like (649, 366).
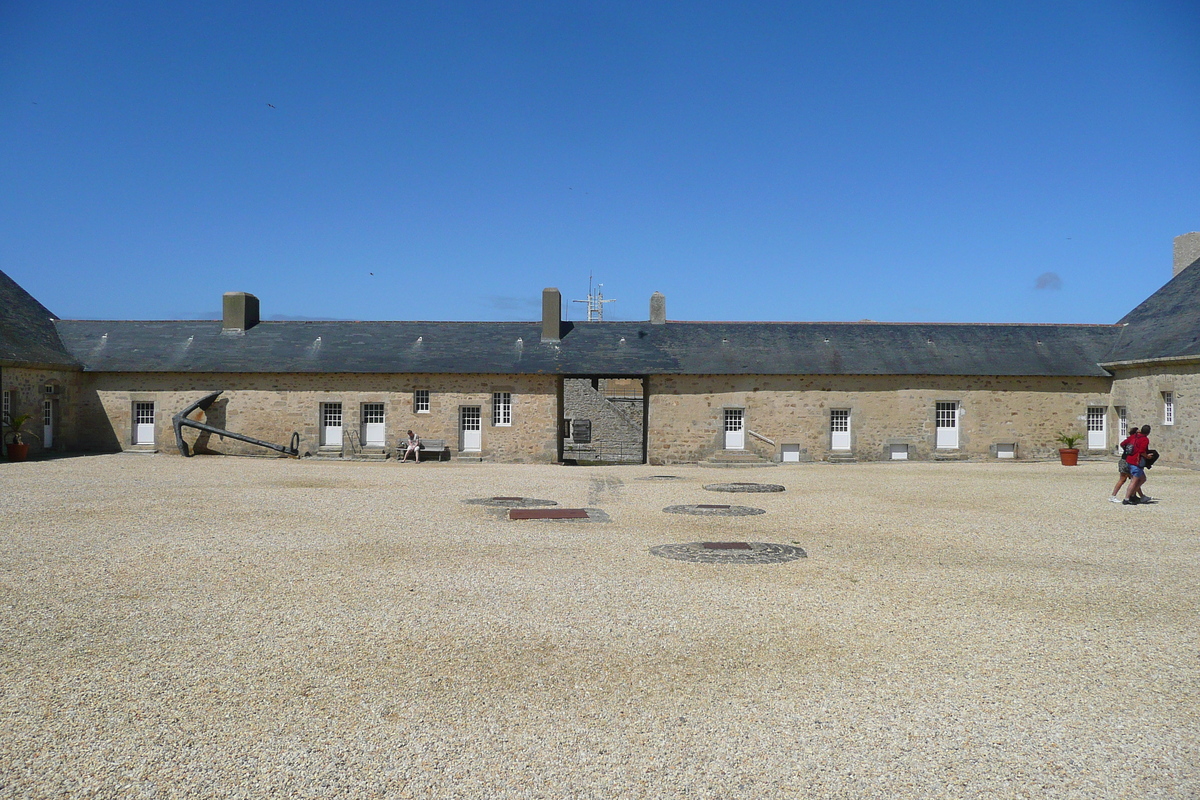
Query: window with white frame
(502, 408)
(421, 401)
(1122, 423)
(1168, 408)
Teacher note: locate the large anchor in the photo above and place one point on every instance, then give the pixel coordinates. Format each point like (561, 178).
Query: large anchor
(181, 419)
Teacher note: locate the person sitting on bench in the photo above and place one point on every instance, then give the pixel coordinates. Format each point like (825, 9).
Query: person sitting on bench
(412, 446)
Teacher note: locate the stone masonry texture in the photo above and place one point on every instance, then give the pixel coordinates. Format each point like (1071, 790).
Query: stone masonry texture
(1140, 391)
(687, 413)
(272, 406)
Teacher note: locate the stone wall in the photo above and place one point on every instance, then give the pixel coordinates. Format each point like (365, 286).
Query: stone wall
(686, 416)
(616, 433)
(272, 406)
(94, 411)
(1140, 391)
(28, 392)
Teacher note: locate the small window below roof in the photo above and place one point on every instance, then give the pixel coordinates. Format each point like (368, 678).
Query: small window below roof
(421, 401)
(1168, 408)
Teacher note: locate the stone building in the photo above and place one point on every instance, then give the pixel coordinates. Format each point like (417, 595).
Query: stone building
(656, 391)
(38, 376)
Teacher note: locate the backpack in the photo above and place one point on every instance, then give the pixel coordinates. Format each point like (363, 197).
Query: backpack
(1148, 458)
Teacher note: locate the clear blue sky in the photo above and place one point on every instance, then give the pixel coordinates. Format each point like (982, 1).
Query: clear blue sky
(774, 161)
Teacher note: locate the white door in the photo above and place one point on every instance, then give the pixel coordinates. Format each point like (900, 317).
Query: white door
(947, 426)
(48, 424)
(331, 424)
(143, 423)
(1097, 429)
(470, 429)
(372, 425)
(839, 426)
(735, 429)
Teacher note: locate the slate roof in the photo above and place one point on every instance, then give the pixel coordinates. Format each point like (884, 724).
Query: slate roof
(593, 348)
(27, 332)
(1166, 325)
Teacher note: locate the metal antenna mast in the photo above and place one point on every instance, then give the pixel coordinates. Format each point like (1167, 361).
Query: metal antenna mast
(595, 301)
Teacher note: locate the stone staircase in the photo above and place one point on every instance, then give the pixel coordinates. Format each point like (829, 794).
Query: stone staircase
(736, 458)
(841, 458)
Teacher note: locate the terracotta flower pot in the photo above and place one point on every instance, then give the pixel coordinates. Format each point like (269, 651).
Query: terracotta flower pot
(18, 452)
(1069, 456)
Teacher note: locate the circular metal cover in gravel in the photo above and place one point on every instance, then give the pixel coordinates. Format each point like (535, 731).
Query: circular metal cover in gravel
(743, 487)
(730, 552)
(707, 510)
(510, 502)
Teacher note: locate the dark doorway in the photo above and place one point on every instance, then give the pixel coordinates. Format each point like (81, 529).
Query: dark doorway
(604, 419)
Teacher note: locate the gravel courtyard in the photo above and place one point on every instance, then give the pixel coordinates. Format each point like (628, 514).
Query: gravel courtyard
(233, 627)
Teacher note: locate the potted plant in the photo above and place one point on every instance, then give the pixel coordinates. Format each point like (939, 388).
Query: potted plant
(17, 449)
(1068, 453)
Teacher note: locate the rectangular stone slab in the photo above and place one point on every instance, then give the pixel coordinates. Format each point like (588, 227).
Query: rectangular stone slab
(726, 546)
(547, 513)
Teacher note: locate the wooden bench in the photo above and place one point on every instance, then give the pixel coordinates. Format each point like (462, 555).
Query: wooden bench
(435, 447)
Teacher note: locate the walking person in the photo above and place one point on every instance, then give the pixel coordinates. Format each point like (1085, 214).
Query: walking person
(413, 445)
(1123, 464)
(1137, 473)
(1148, 459)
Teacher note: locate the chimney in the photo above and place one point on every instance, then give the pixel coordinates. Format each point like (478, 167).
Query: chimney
(658, 309)
(551, 315)
(240, 311)
(1187, 250)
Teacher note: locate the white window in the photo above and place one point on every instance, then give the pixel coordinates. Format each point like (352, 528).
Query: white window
(1122, 423)
(1168, 408)
(421, 401)
(502, 408)
(7, 406)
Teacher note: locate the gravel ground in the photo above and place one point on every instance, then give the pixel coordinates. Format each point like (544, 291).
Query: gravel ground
(230, 627)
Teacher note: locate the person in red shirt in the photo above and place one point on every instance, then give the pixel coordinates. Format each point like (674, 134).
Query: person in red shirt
(1123, 465)
(1141, 443)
